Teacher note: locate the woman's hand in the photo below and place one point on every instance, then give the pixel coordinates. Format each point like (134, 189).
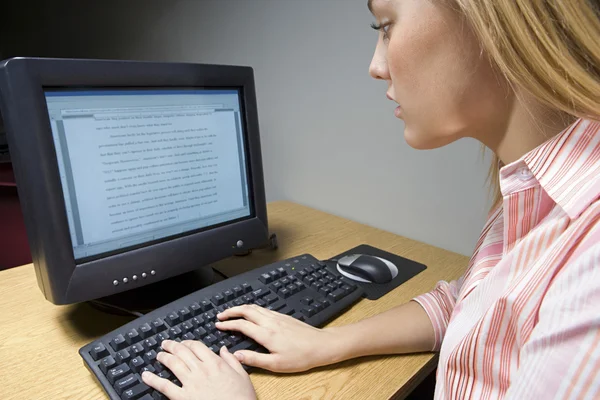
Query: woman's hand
(202, 373)
(294, 345)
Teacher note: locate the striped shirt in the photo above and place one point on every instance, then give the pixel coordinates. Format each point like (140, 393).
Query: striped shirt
(524, 320)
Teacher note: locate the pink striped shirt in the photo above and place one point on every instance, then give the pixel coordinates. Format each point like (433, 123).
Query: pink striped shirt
(524, 320)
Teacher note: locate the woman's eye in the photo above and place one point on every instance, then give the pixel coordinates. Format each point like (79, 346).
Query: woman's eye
(384, 28)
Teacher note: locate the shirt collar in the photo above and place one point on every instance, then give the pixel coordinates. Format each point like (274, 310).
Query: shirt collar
(566, 166)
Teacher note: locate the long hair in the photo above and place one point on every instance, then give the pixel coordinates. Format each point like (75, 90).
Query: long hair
(549, 48)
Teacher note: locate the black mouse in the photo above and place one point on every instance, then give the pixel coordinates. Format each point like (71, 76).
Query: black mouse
(366, 268)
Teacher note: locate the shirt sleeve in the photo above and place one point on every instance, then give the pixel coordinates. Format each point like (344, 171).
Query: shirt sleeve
(438, 305)
(561, 357)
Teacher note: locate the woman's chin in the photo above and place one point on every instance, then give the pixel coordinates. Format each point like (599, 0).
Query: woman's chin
(423, 141)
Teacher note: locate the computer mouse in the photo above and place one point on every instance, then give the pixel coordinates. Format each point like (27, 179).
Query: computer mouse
(366, 268)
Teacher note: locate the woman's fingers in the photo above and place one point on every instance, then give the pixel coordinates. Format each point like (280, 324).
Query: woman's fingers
(248, 328)
(255, 359)
(252, 313)
(174, 363)
(184, 353)
(164, 386)
(199, 349)
(232, 361)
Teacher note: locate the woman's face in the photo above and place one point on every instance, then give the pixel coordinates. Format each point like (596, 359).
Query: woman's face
(436, 72)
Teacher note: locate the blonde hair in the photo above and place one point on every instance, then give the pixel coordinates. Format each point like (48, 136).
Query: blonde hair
(550, 48)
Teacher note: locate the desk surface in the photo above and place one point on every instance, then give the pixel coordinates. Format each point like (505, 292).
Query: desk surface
(39, 341)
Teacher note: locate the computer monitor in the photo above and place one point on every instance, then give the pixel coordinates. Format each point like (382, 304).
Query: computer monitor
(130, 173)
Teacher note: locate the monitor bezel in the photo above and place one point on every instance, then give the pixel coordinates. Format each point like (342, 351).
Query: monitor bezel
(61, 278)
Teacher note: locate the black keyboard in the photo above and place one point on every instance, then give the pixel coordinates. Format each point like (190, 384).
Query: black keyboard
(303, 287)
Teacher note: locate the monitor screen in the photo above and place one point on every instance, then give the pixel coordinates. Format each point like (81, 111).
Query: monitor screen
(141, 166)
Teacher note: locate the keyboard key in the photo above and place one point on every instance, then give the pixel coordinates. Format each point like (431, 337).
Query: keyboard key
(238, 302)
(324, 302)
(285, 281)
(123, 356)
(276, 286)
(162, 336)
(247, 288)
(309, 311)
(225, 343)
(274, 275)
(107, 363)
(158, 325)
(228, 294)
(200, 332)
(271, 298)
(292, 278)
(286, 310)
(187, 326)
(276, 306)
(159, 367)
(209, 315)
(336, 294)
(261, 303)
(282, 271)
(291, 288)
(306, 300)
(132, 336)
(210, 327)
(185, 314)
(145, 331)
(309, 270)
(173, 318)
(164, 374)
(300, 286)
(188, 336)
(150, 343)
(309, 279)
(206, 305)
(118, 343)
(347, 289)
(301, 274)
(195, 309)
(285, 293)
(98, 351)
(175, 332)
(125, 383)
(218, 299)
(136, 349)
(325, 290)
(136, 364)
(298, 316)
(150, 356)
(209, 340)
(148, 368)
(258, 293)
(247, 298)
(214, 349)
(197, 321)
(234, 338)
(136, 392)
(238, 291)
(332, 286)
(117, 373)
(265, 278)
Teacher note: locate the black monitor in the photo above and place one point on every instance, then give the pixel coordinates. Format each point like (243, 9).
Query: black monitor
(130, 173)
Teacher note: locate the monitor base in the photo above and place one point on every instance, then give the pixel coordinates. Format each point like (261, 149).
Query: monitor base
(147, 298)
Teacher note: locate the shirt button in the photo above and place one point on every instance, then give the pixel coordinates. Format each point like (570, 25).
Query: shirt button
(524, 174)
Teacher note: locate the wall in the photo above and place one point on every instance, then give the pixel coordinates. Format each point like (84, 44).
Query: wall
(329, 136)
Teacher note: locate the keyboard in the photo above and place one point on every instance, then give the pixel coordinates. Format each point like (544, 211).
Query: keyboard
(303, 287)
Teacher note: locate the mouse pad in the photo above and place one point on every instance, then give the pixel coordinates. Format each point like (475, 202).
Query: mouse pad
(406, 270)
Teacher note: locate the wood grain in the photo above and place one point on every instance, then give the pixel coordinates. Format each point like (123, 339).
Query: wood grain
(39, 341)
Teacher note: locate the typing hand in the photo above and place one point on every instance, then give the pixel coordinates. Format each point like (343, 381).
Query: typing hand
(202, 373)
(294, 345)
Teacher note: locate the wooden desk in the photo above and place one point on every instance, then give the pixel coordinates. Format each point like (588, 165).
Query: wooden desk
(39, 341)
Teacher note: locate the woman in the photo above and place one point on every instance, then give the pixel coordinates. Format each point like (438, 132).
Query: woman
(523, 78)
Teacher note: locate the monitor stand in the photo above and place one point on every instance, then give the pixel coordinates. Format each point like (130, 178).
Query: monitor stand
(146, 298)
